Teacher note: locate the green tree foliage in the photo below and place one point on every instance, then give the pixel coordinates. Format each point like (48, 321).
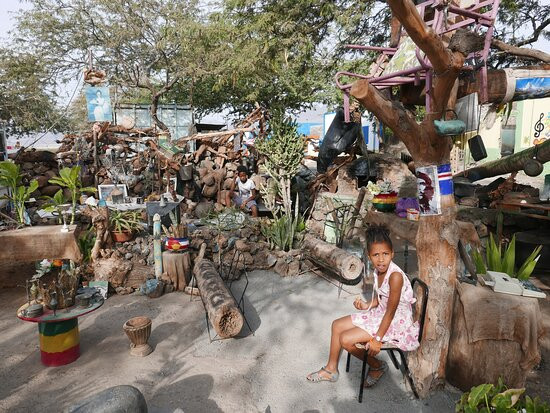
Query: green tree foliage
(144, 44)
(26, 98)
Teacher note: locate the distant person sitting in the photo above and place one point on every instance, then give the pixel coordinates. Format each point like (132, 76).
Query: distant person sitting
(245, 196)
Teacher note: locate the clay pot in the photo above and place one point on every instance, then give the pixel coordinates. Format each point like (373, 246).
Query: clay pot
(138, 330)
(122, 236)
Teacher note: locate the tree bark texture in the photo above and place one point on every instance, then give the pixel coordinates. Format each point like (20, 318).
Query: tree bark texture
(508, 164)
(177, 265)
(337, 260)
(222, 310)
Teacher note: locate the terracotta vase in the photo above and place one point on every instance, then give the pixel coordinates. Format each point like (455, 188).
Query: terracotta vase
(385, 202)
(122, 236)
(138, 330)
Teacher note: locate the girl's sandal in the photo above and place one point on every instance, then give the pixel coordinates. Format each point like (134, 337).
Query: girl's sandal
(317, 376)
(371, 381)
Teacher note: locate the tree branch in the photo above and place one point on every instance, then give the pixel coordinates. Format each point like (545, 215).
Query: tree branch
(390, 113)
(521, 51)
(536, 32)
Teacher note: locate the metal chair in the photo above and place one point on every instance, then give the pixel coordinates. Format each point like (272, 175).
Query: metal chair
(404, 367)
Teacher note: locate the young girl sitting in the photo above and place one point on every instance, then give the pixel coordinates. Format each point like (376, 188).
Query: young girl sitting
(388, 317)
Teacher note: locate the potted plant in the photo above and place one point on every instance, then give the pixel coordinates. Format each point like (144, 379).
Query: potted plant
(124, 224)
(384, 197)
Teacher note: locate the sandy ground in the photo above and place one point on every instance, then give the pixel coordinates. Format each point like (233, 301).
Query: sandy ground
(261, 372)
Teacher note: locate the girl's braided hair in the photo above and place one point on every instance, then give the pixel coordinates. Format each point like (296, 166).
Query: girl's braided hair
(378, 233)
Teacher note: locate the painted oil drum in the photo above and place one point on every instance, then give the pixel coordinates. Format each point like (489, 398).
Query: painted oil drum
(59, 342)
(385, 202)
(176, 244)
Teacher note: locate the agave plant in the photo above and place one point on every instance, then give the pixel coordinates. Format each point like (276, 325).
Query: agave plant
(10, 177)
(70, 178)
(506, 263)
(125, 221)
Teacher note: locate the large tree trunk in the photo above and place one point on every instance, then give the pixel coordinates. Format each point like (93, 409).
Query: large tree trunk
(508, 164)
(437, 236)
(154, 108)
(337, 260)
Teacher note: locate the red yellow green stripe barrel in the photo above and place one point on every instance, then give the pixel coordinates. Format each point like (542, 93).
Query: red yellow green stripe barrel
(59, 342)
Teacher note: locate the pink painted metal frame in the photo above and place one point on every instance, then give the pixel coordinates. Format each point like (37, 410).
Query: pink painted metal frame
(424, 71)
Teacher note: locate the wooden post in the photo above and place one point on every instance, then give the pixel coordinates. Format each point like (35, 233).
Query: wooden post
(156, 246)
(177, 265)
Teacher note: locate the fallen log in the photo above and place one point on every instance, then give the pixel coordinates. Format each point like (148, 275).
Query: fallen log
(222, 310)
(335, 259)
(508, 164)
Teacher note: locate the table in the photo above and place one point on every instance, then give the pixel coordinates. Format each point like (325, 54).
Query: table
(37, 243)
(58, 334)
(514, 208)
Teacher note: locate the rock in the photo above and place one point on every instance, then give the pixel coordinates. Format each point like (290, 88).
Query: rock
(124, 290)
(165, 279)
(230, 166)
(227, 183)
(114, 399)
(253, 238)
(50, 190)
(136, 248)
(113, 270)
(152, 288)
(248, 259)
(50, 174)
(146, 251)
(142, 262)
(203, 208)
(42, 180)
(27, 166)
(218, 207)
(139, 188)
(128, 256)
(40, 169)
(293, 268)
(281, 267)
(271, 260)
(138, 240)
(168, 288)
(230, 174)
(242, 246)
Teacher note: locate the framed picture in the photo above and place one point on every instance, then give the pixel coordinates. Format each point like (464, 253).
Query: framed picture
(99, 104)
(104, 191)
(173, 184)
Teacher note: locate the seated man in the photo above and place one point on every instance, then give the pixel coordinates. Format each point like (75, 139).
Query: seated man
(245, 197)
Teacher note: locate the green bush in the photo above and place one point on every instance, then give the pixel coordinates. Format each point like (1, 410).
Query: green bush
(488, 398)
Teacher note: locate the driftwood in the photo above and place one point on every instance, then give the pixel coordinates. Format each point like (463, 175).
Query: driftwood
(508, 164)
(337, 260)
(178, 268)
(100, 221)
(222, 310)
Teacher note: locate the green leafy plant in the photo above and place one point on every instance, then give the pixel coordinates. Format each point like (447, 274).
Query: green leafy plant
(53, 202)
(505, 262)
(125, 221)
(284, 151)
(70, 178)
(10, 177)
(487, 398)
(86, 242)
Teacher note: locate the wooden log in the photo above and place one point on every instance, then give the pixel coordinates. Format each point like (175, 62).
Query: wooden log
(508, 164)
(222, 310)
(178, 268)
(346, 265)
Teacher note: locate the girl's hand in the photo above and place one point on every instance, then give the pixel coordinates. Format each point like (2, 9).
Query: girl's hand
(374, 347)
(360, 304)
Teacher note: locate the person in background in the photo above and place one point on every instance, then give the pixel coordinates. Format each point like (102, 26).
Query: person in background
(243, 192)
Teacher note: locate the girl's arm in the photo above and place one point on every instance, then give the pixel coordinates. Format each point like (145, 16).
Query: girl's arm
(365, 305)
(396, 284)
